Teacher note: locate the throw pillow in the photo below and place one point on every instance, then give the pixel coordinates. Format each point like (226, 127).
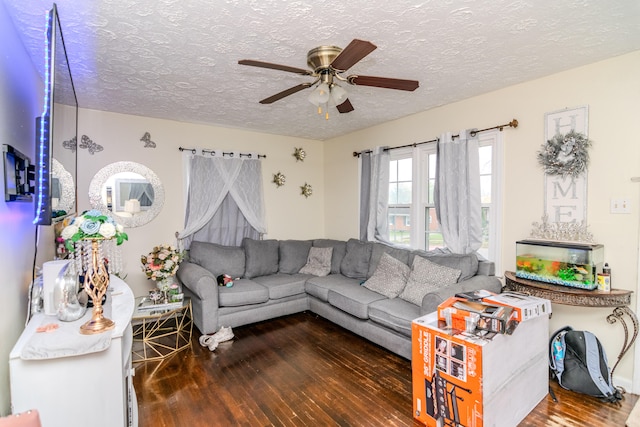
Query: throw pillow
(355, 263)
(390, 277)
(261, 257)
(425, 277)
(318, 262)
(293, 255)
(218, 259)
(339, 250)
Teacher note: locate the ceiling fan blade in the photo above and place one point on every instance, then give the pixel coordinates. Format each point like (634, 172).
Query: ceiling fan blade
(384, 82)
(285, 93)
(350, 55)
(345, 107)
(275, 67)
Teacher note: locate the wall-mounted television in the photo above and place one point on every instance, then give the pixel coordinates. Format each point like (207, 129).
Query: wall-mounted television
(18, 175)
(57, 129)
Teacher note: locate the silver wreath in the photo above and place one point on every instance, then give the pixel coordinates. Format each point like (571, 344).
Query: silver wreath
(565, 155)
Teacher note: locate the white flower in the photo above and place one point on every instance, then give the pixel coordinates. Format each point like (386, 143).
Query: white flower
(119, 228)
(69, 231)
(78, 221)
(107, 230)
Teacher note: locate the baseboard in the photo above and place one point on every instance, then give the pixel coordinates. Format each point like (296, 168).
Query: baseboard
(625, 383)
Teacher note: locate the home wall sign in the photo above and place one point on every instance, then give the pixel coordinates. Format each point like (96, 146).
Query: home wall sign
(566, 188)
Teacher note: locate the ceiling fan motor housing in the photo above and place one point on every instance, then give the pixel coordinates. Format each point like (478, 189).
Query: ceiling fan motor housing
(320, 58)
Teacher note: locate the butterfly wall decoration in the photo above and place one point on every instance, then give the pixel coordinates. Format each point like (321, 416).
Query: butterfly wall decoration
(72, 144)
(92, 147)
(148, 143)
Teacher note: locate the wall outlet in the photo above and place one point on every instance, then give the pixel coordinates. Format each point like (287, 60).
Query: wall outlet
(620, 206)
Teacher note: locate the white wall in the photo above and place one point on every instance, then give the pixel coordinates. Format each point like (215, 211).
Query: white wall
(289, 214)
(611, 89)
(20, 103)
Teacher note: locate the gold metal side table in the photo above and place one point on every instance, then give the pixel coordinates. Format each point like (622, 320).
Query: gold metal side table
(619, 299)
(160, 332)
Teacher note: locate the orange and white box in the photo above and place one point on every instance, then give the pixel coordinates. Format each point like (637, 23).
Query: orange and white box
(469, 381)
(525, 306)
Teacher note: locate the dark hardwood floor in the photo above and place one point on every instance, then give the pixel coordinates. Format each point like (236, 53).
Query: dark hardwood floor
(303, 370)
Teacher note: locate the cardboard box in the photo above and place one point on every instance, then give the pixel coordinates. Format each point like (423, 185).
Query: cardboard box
(496, 318)
(525, 306)
(465, 380)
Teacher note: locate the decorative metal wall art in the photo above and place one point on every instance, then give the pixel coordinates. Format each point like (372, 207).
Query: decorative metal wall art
(279, 179)
(306, 190)
(92, 147)
(565, 155)
(72, 144)
(148, 143)
(299, 154)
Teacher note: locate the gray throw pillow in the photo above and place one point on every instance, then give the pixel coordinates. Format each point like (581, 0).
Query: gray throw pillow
(426, 277)
(339, 250)
(355, 263)
(261, 257)
(218, 259)
(390, 277)
(379, 248)
(293, 255)
(319, 262)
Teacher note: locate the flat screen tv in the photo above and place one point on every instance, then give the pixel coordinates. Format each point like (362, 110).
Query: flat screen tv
(56, 130)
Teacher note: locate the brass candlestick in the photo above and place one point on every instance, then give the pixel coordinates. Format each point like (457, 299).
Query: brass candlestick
(96, 283)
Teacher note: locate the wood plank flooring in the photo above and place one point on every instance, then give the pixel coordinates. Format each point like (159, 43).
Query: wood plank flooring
(303, 370)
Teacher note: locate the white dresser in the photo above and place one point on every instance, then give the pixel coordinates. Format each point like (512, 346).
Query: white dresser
(90, 389)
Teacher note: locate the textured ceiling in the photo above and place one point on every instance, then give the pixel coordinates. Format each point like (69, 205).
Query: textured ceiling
(178, 59)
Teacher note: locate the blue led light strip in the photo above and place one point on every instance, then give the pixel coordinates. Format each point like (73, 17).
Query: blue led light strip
(44, 122)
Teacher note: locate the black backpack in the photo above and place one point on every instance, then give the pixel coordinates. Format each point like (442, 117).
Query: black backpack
(579, 363)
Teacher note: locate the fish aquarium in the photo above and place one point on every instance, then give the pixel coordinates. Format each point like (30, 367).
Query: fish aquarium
(560, 263)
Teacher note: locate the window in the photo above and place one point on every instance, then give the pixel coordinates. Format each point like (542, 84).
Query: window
(412, 214)
(400, 199)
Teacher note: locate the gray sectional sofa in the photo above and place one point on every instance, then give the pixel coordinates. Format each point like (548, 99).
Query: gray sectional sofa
(372, 289)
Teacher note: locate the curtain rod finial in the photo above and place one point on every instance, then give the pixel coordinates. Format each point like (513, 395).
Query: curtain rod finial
(513, 123)
(356, 154)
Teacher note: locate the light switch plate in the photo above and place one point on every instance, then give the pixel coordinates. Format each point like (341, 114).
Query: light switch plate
(620, 206)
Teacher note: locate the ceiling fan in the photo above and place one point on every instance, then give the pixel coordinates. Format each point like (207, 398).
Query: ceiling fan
(327, 64)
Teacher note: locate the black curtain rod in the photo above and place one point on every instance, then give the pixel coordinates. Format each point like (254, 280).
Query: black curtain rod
(512, 124)
(224, 153)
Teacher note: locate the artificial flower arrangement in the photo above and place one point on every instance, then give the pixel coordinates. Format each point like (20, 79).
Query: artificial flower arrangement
(92, 224)
(162, 262)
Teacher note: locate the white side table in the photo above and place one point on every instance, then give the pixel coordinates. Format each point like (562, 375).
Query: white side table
(91, 389)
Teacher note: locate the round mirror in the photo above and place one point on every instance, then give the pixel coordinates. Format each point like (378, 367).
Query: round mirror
(63, 190)
(129, 191)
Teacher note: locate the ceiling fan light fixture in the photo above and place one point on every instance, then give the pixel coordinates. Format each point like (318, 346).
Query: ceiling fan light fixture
(320, 95)
(338, 94)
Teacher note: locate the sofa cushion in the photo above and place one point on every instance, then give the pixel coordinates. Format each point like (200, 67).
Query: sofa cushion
(395, 314)
(282, 285)
(389, 278)
(261, 257)
(355, 263)
(339, 250)
(293, 255)
(319, 287)
(354, 300)
(218, 259)
(425, 277)
(318, 262)
(243, 292)
(466, 263)
(380, 248)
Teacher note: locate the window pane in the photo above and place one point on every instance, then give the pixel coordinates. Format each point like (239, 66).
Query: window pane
(432, 186)
(404, 193)
(485, 189)
(405, 170)
(399, 229)
(393, 170)
(485, 159)
(393, 193)
(435, 241)
(432, 166)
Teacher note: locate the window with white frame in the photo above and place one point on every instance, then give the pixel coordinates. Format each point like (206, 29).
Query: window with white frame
(412, 215)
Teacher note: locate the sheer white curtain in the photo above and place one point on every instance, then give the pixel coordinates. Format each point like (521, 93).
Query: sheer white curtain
(225, 201)
(374, 195)
(457, 192)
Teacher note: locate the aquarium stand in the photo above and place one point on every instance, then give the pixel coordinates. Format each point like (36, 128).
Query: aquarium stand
(620, 299)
